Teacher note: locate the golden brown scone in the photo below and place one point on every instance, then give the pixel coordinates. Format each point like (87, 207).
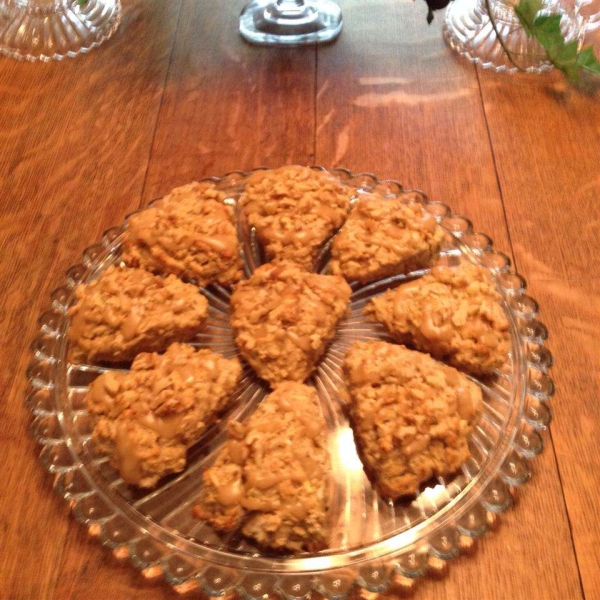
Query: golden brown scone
(128, 311)
(148, 418)
(295, 210)
(270, 478)
(411, 415)
(284, 317)
(384, 237)
(189, 233)
(454, 313)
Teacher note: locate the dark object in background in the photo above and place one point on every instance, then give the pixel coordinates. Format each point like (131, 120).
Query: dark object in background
(435, 5)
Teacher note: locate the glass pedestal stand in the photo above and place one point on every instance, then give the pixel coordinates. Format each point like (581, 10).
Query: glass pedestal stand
(290, 22)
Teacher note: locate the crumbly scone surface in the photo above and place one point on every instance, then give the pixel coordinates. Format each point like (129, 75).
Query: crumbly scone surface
(411, 415)
(189, 233)
(270, 477)
(384, 237)
(127, 311)
(454, 313)
(295, 210)
(148, 417)
(284, 317)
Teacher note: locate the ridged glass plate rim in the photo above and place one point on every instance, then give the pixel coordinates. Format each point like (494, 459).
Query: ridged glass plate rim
(59, 455)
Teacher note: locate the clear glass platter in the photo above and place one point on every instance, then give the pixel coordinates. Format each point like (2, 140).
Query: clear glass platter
(375, 543)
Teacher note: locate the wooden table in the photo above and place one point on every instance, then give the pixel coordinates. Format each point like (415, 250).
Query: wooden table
(175, 96)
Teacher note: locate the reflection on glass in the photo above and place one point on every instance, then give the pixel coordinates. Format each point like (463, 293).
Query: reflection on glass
(346, 451)
(52, 29)
(290, 22)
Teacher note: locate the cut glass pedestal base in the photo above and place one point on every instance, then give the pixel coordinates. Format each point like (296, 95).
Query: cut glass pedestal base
(290, 22)
(45, 30)
(469, 31)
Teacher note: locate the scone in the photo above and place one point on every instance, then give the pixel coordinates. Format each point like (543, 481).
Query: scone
(384, 237)
(128, 311)
(295, 210)
(411, 415)
(284, 317)
(454, 313)
(270, 478)
(189, 233)
(148, 418)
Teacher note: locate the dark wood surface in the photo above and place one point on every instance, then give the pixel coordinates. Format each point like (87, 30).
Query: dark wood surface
(175, 96)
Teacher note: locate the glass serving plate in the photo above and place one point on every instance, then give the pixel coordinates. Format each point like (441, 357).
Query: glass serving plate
(375, 543)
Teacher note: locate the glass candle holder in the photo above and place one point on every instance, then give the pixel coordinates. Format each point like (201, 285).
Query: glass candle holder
(501, 43)
(45, 30)
(290, 22)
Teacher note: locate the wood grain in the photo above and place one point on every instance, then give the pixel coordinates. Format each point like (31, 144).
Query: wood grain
(74, 147)
(176, 96)
(394, 100)
(229, 105)
(550, 182)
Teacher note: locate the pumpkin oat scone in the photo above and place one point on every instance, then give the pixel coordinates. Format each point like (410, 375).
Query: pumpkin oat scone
(270, 477)
(384, 237)
(454, 314)
(189, 233)
(295, 210)
(411, 415)
(127, 311)
(147, 418)
(284, 317)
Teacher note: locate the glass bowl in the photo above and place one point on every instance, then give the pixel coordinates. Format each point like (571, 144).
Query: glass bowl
(375, 543)
(46, 30)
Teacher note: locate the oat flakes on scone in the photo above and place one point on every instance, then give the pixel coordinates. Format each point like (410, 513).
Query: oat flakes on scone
(127, 311)
(384, 237)
(284, 317)
(454, 313)
(270, 477)
(147, 418)
(294, 211)
(189, 233)
(411, 415)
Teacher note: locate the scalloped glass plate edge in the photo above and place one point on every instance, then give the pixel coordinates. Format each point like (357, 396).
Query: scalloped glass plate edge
(393, 566)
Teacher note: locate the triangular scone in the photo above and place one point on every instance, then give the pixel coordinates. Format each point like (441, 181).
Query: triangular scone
(189, 233)
(284, 317)
(295, 210)
(148, 418)
(384, 237)
(454, 313)
(128, 311)
(411, 415)
(270, 477)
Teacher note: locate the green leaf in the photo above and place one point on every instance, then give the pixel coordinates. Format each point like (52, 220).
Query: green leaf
(526, 11)
(565, 59)
(588, 61)
(565, 54)
(546, 29)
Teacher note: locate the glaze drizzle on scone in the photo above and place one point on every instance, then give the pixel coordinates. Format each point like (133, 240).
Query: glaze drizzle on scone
(284, 318)
(454, 313)
(148, 417)
(295, 210)
(270, 477)
(189, 233)
(384, 237)
(411, 415)
(128, 311)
